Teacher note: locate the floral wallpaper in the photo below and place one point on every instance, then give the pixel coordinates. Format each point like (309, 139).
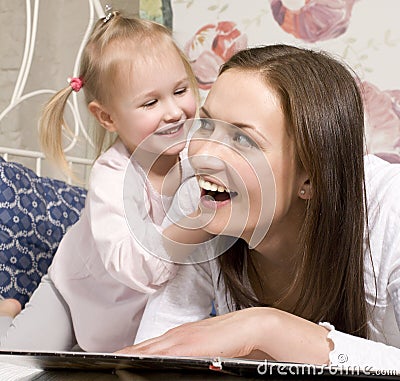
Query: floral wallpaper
(365, 34)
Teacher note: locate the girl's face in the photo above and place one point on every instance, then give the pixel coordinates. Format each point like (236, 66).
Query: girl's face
(151, 103)
(250, 154)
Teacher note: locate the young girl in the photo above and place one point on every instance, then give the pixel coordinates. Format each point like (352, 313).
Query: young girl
(140, 88)
(332, 251)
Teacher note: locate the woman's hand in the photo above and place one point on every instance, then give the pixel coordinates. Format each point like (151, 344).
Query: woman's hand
(230, 335)
(247, 333)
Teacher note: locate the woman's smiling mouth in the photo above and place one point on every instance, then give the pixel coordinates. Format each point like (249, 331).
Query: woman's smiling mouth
(214, 195)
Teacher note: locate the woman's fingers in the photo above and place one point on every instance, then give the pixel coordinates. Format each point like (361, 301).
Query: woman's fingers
(228, 335)
(258, 332)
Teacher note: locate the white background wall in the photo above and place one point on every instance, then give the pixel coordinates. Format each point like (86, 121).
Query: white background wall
(363, 33)
(61, 28)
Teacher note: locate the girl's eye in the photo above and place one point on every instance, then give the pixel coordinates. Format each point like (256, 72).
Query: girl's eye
(180, 91)
(244, 141)
(150, 103)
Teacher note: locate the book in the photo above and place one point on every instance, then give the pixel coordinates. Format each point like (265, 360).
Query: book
(25, 364)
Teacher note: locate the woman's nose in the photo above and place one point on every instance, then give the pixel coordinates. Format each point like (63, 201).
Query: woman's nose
(207, 155)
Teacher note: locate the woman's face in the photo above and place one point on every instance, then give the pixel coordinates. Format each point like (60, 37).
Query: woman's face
(249, 155)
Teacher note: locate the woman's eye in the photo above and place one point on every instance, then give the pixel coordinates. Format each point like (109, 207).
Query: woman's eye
(244, 141)
(207, 125)
(204, 128)
(150, 103)
(180, 91)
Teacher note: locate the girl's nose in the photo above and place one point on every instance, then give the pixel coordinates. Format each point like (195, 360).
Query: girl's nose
(173, 112)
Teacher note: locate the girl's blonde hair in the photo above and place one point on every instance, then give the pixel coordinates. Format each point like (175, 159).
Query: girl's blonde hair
(98, 69)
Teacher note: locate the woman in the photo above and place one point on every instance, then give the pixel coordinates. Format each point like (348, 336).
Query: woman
(332, 250)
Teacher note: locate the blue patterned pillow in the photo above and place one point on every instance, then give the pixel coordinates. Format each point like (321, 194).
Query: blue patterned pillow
(35, 213)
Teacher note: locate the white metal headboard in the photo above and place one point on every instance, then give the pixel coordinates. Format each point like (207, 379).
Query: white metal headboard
(79, 130)
(39, 157)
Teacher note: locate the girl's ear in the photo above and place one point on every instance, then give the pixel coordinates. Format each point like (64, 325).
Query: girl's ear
(306, 192)
(101, 114)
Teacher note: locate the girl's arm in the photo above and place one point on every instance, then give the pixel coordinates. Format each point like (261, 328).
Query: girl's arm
(114, 205)
(184, 237)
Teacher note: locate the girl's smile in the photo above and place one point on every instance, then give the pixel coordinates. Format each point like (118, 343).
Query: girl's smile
(152, 103)
(171, 130)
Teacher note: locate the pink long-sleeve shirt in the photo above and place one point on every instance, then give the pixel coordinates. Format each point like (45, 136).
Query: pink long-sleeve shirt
(105, 267)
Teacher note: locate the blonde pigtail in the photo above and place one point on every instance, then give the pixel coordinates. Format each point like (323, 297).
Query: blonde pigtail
(51, 126)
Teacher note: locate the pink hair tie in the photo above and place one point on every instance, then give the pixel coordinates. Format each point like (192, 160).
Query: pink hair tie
(76, 83)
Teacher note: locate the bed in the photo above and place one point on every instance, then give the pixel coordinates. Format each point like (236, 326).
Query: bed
(38, 204)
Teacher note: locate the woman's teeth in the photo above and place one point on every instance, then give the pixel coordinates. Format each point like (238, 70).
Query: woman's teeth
(217, 192)
(208, 186)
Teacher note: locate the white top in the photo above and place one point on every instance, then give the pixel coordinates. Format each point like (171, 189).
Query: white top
(188, 296)
(103, 267)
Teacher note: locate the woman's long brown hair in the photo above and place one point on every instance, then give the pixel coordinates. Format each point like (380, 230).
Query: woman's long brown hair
(323, 108)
